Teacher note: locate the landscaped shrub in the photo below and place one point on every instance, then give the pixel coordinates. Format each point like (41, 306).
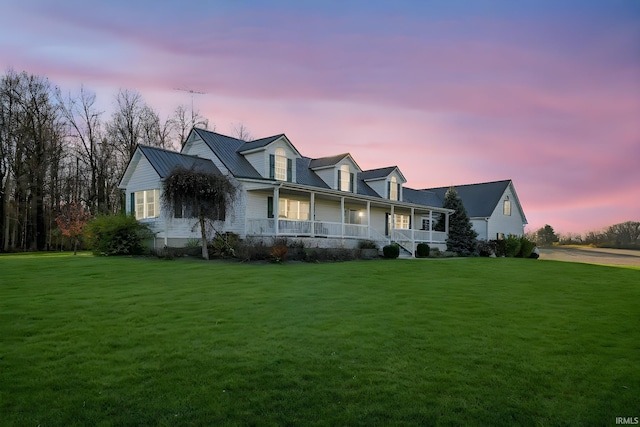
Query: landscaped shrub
(252, 249)
(526, 247)
(422, 250)
(512, 246)
(487, 248)
(279, 253)
(367, 244)
(391, 251)
(117, 235)
(223, 245)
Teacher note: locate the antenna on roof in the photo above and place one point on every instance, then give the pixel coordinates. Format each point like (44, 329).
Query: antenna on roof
(192, 92)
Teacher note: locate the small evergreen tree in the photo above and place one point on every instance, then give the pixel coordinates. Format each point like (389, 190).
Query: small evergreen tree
(462, 236)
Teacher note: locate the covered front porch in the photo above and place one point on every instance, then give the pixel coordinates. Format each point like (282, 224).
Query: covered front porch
(348, 217)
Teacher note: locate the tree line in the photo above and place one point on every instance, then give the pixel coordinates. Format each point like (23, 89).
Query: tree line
(58, 149)
(625, 235)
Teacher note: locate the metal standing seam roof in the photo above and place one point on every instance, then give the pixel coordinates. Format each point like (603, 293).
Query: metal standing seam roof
(164, 161)
(421, 197)
(258, 143)
(480, 199)
(226, 148)
(377, 173)
(323, 162)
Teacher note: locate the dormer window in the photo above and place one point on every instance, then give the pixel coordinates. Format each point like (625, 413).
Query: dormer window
(280, 167)
(393, 188)
(345, 179)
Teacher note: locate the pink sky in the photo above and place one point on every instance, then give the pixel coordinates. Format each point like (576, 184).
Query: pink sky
(545, 93)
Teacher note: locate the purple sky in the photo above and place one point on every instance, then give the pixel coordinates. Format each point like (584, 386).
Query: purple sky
(546, 93)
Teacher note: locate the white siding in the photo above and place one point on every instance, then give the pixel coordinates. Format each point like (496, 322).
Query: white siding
(499, 222)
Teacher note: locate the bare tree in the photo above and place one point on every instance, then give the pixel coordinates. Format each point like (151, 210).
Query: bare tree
(183, 123)
(242, 132)
(84, 127)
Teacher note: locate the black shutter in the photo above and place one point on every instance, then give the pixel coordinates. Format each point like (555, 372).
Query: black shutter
(289, 170)
(269, 207)
(351, 185)
(133, 204)
(272, 166)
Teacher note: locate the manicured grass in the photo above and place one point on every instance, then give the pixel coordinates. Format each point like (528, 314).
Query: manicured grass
(134, 341)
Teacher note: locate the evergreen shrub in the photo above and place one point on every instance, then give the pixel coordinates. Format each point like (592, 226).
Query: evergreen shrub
(391, 251)
(422, 250)
(117, 235)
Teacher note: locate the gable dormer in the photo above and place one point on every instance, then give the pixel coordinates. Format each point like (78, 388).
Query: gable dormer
(273, 157)
(387, 182)
(338, 172)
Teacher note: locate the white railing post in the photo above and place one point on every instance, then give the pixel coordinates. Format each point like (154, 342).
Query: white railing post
(276, 209)
(312, 213)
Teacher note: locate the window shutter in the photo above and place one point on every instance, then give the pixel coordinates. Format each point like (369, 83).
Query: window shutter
(351, 185)
(133, 203)
(398, 193)
(269, 207)
(272, 166)
(339, 179)
(289, 170)
(388, 189)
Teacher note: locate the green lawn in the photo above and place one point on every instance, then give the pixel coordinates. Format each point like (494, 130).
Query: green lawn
(133, 341)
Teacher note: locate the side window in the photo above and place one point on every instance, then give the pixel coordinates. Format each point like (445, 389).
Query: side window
(147, 203)
(506, 208)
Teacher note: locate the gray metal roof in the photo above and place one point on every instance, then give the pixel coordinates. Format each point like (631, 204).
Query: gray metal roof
(377, 173)
(327, 161)
(164, 161)
(421, 197)
(306, 176)
(479, 200)
(226, 148)
(258, 143)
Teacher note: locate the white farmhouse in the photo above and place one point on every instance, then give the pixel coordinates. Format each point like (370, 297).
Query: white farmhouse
(326, 202)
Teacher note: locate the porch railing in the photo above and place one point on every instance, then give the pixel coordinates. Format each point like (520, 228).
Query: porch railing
(288, 227)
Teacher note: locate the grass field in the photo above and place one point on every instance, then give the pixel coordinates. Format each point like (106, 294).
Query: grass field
(133, 341)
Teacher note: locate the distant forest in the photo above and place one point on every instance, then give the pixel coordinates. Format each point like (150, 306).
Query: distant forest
(625, 235)
(58, 150)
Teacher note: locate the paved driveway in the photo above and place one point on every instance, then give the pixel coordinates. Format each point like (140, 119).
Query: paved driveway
(592, 255)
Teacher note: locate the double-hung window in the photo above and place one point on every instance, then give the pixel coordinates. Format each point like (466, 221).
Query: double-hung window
(506, 208)
(345, 179)
(280, 167)
(146, 203)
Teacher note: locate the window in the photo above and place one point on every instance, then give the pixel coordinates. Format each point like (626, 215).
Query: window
(280, 167)
(345, 179)
(182, 210)
(402, 222)
(393, 189)
(354, 217)
(289, 209)
(146, 203)
(506, 208)
(425, 224)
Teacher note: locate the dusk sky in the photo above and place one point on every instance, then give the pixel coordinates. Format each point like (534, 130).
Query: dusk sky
(546, 93)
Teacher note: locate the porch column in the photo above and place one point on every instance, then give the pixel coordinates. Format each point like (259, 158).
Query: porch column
(276, 202)
(392, 222)
(342, 216)
(312, 214)
(412, 222)
(368, 220)
(430, 226)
